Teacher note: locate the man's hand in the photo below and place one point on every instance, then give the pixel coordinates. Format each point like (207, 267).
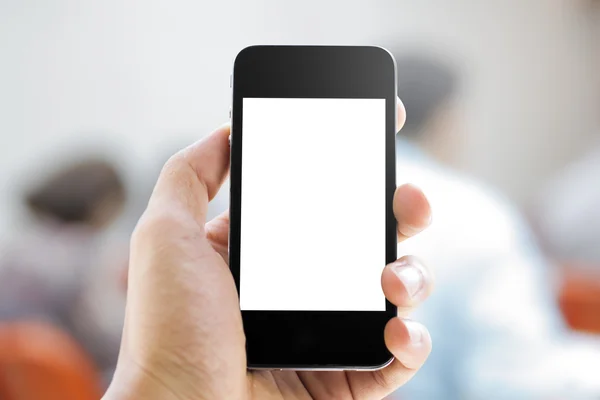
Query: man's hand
(183, 337)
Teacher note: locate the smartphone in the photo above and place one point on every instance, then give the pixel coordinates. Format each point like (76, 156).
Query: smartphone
(311, 220)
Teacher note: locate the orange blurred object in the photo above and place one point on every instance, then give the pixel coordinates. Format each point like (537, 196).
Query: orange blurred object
(580, 299)
(39, 361)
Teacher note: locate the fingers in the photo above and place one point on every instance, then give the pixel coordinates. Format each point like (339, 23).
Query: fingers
(193, 176)
(406, 282)
(412, 211)
(410, 344)
(408, 341)
(400, 114)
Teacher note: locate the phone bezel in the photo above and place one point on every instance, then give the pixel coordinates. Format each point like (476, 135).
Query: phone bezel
(313, 339)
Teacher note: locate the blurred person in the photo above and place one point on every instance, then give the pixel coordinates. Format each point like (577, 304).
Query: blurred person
(494, 321)
(58, 268)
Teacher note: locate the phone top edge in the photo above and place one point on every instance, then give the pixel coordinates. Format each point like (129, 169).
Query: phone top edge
(315, 46)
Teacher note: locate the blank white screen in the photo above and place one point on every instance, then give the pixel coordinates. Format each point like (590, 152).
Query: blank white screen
(313, 204)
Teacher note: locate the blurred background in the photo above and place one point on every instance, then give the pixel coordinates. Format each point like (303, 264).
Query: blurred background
(503, 134)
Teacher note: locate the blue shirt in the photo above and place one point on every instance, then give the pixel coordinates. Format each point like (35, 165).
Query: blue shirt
(495, 326)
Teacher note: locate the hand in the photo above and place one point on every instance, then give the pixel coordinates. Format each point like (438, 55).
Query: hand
(183, 336)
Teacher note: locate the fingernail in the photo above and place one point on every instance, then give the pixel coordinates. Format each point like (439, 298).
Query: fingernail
(411, 277)
(415, 332)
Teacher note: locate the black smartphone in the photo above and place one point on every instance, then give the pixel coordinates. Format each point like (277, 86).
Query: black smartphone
(312, 183)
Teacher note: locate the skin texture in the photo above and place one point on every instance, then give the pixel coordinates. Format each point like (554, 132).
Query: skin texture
(183, 336)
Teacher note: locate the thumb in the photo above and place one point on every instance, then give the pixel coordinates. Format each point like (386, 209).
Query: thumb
(193, 176)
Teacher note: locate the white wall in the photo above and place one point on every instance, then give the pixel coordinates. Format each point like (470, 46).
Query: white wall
(139, 78)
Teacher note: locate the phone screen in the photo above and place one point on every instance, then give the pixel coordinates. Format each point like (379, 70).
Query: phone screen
(313, 209)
